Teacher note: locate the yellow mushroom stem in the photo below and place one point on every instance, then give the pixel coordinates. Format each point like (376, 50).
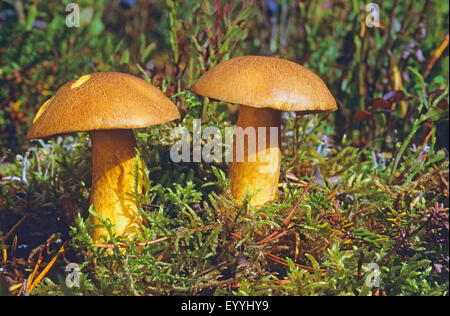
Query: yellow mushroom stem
(113, 181)
(260, 168)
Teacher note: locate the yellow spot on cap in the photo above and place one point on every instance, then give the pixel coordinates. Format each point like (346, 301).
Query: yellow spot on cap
(42, 109)
(80, 81)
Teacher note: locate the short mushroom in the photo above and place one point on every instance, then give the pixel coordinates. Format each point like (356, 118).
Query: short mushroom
(263, 86)
(108, 105)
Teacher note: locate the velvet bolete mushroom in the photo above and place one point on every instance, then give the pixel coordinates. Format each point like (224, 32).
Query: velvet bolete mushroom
(264, 87)
(108, 105)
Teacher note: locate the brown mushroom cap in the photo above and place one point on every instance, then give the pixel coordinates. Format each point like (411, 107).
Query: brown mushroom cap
(266, 82)
(100, 101)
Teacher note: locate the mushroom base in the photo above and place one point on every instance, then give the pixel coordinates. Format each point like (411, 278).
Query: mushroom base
(260, 167)
(113, 182)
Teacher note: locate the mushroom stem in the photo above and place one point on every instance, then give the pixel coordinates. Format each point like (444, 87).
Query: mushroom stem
(260, 167)
(114, 162)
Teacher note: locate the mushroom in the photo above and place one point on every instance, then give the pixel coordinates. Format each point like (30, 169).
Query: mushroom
(107, 105)
(263, 86)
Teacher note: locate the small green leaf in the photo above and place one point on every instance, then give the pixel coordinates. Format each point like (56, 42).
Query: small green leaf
(125, 57)
(151, 47)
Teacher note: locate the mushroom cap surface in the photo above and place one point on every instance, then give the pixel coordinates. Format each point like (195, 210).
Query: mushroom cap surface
(100, 101)
(266, 82)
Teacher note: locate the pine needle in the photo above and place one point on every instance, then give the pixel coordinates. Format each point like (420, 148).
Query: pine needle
(48, 267)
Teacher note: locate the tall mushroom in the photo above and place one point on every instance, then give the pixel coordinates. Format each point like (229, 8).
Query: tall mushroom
(107, 105)
(263, 86)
